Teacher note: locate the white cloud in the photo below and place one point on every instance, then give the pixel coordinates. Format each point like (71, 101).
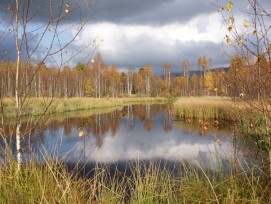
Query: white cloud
(114, 34)
(140, 44)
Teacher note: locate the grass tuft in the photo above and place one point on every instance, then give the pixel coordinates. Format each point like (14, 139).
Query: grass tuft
(203, 108)
(51, 182)
(39, 106)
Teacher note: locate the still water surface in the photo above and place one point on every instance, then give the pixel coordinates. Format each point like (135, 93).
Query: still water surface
(133, 133)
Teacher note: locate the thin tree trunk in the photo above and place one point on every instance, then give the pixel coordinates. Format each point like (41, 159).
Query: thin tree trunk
(39, 85)
(99, 81)
(17, 92)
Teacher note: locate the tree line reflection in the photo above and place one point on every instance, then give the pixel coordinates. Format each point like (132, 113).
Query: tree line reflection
(108, 123)
(97, 129)
(101, 124)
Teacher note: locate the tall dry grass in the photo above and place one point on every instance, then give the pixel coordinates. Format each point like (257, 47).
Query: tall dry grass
(244, 115)
(204, 108)
(51, 182)
(39, 106)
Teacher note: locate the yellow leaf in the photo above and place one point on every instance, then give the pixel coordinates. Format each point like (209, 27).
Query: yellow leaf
(229, 6)
(92, 60)
(50, 29)
(239, 41)
(66, 11)
(81, 133)
(218, 141)
(68, 5)
(230, 28)
(228, 40)
(247, 24)
(243, 33)
(231, 20)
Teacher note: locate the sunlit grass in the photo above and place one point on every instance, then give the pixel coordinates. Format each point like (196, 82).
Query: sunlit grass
(204, 108)
(39, 106)
(94, 103)
(51, 182)
(245, 115)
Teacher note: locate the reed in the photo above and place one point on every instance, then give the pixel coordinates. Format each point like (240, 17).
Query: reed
(51, 182)
(40, 106)
(245, 116)
(93, 103)
(205, 108)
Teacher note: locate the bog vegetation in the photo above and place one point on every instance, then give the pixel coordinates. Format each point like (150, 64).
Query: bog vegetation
(40, 106)
(52, 183)
(241, 94)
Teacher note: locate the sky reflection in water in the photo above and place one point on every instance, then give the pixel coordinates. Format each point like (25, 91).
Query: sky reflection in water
(141, 132)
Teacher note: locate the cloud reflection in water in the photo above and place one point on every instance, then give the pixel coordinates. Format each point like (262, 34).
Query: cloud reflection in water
(138, 143)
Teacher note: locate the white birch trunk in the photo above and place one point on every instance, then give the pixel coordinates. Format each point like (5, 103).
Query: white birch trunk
(17, 91)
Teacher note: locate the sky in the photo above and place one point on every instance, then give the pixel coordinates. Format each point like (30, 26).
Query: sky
(132, 32)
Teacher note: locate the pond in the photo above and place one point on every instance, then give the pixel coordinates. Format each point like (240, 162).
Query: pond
(134, 133)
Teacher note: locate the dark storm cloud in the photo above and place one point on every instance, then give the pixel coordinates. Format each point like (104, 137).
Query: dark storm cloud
(8, 48)
(43, 11)
(144, 49)
(156, 12)
(151, 12)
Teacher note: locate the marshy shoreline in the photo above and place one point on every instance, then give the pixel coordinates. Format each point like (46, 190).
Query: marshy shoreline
(54, 182)
(40, 106)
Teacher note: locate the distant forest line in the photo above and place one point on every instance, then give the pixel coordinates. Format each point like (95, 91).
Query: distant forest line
(101, 80)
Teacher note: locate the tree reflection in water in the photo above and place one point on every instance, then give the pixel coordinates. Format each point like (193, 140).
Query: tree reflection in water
(135, 131)
(130, 117)
(98, 125)
(167, 125)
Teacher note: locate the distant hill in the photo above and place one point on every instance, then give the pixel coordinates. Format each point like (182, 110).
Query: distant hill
(199, 72)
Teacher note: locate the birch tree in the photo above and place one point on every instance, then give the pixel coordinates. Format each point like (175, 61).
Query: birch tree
(130, 76)
(251, 42)
(186, 74)
(22, 16)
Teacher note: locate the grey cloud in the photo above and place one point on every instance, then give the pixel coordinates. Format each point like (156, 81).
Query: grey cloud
(40, 11)
(8, 49)
(158, 12)
(145, 50)
(157, 54)
(150, 12)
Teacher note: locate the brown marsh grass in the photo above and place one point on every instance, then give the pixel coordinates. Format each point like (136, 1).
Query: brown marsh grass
(206, 108)
(39, 106)
(51, 182)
